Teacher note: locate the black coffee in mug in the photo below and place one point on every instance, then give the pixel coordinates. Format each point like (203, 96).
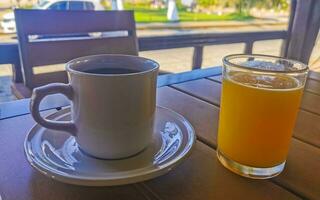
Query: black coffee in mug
(117, 70)
(113, 104)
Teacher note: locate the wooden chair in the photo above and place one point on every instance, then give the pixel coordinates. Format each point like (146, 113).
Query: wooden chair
(49, 37)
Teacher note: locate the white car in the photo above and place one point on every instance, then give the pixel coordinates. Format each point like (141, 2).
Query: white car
(8, 23)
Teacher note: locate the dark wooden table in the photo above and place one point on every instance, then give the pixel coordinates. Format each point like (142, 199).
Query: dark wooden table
(195, 95)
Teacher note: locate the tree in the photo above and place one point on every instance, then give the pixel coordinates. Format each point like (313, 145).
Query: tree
(207, 3)
(245, 5)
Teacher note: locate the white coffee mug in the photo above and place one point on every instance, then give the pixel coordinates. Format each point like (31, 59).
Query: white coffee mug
(112, 112)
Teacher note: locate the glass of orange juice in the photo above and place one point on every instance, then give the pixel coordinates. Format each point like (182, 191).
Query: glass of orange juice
(259, 104)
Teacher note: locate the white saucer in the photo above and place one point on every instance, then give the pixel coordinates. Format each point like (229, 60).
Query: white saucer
(56, 154)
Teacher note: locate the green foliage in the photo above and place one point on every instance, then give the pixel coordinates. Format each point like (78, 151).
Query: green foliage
(104, 3)
(268, 4)
(145, 14)
(280, 4)
(243, 6)
(207, 3)
(179, 5)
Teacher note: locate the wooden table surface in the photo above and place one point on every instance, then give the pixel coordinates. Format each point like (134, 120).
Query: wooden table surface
(195, 95)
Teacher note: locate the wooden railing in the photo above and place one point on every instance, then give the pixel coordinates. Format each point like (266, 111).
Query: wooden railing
(198, 41)
(9, 53)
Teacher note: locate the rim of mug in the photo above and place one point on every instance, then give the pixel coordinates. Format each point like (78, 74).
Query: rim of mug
(227, 61)
(74, 71)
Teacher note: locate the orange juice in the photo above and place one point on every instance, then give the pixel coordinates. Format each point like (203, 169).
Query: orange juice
(257, 117)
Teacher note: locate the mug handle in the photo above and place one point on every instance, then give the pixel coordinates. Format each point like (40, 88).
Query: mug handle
(38, 94)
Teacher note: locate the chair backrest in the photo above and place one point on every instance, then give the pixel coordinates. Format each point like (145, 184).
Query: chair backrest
(49, 37)
(304, 24)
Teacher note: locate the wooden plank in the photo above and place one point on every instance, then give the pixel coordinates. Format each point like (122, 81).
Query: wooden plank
(216, 78)
(51, 21)
(201, 176)
(314, 75)
(307, 128)
(296, 178)
(199, 89)
(19, 180)
(313, 86)
(301, 173)
(205, 123)
(169, 79)
(48, 53)
(310, 102)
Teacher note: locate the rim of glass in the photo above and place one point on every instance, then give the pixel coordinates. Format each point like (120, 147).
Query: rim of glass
(226, 61)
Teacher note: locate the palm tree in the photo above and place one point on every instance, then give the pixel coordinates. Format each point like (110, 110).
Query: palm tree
(172, 13)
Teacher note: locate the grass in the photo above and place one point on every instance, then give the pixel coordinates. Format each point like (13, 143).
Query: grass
(145, 14)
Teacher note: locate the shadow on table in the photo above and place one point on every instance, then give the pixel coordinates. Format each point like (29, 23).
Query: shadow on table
(42, 187)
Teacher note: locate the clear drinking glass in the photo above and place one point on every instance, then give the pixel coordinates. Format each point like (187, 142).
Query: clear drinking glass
(260, 100)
